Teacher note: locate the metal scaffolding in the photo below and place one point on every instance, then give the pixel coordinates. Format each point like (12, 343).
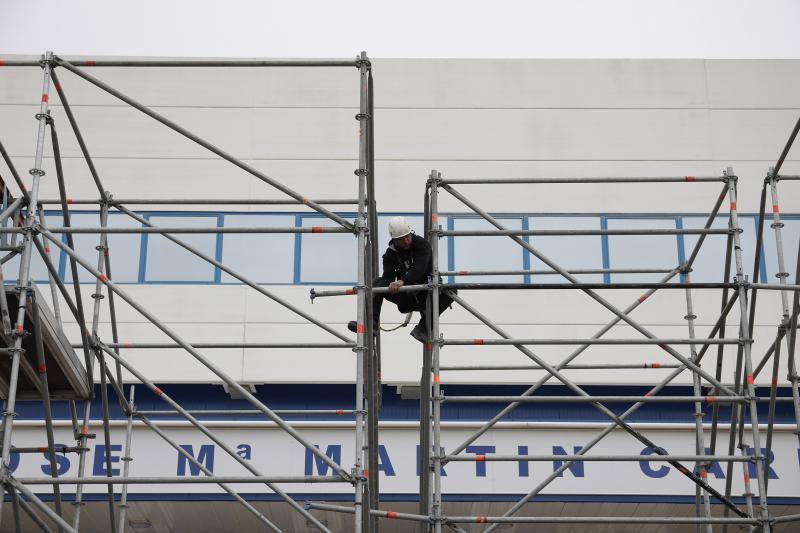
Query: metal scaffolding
(28, 232)
(27, 221)
(744, 423)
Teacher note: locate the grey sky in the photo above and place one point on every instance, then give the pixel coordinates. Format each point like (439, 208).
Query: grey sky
(411, 28)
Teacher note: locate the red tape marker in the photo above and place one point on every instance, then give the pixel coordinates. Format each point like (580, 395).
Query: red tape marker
(391, 514)
(711, 399)
(360, 328)
(103, 277)
(158, 391)
(90, 63)
(434, 218)
(349, 291)
(366, 473)
(42, 450)
(750, 379)
(69, 200)
(733, 206)
(316, 229)
(340, 411)
(477, 341)
(42, 369)
(703, 474)
(463, 272)
(656, 365)
(746, 477)
(642, 298)
(2, 63)
(45, 98)
(775, 208)
(481, 520)
(85, 430)
(690, 178)
(19, 328)
(436, 380)
(480, 458)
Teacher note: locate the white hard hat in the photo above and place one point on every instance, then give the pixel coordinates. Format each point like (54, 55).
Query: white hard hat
(398, 227)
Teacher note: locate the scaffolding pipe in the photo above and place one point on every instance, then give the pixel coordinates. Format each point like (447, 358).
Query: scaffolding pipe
(569, 342)
(205, 144)
(598, 366)
(253, 285)
(189, 457)
(126, 458)
(594, 399)
(600, 458)
(35, 501)
(596, 297)
(391, 515)
(24, 277)
(534, 181)
(193, 62)
(577, 232)
(198, 201)
(226, 345)
(225, 447)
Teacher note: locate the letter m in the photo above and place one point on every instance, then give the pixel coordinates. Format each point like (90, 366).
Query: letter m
(334, 451)
(205, 456)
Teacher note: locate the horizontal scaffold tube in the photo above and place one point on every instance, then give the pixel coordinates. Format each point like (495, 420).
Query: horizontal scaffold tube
(567, 232)
(612, 179)
(374, 512)
(598, 366)
(654, 458)
(59, 448)
(553, 272)
(199, 201)
(254, 412)
(191, 62)
(528, 286)
(596, 520)
(223, 345)
(170, 480)
(570, 342)
(211, 229)
(603, 399)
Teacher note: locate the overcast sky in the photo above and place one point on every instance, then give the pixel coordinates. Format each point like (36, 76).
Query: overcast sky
(407, 28)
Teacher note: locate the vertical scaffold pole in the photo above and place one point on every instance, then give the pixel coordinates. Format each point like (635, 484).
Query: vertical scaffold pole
(126, 458)
(373, 327)
(702, 502)
(98, 296)
(24, 274)
(361, 503)
(748, 363)
(435, 345)
(424, 459)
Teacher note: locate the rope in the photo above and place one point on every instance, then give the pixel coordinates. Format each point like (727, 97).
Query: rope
(404, 324)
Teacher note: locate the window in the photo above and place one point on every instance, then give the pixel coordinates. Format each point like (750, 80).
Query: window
(642, 251)
(572, 252)
(123, 247)
(167, 261)
(487, 253)
(709, 267)
(327, 257)
(261, 257)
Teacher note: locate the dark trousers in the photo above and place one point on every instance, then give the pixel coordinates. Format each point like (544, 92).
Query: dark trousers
(407, 301)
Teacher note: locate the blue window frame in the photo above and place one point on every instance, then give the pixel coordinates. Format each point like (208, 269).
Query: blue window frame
(330, 258)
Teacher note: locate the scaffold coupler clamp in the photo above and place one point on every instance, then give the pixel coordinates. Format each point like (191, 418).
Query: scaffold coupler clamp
(48, 119)
(312, 294)
(684, 268)
(741, 283)
(363, 61)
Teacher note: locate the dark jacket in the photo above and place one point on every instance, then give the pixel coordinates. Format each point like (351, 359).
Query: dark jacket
(413, 266)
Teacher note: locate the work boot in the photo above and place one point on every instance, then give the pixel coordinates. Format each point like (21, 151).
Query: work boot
(420, 333)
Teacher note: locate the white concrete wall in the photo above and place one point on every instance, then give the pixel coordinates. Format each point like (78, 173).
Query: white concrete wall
(466, 118)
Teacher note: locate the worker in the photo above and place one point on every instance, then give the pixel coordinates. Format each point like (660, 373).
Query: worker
(408, 261)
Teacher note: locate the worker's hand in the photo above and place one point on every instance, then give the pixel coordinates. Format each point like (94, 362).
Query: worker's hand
(395, 285)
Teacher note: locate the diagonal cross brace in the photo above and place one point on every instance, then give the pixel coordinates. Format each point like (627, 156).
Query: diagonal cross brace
(602, 301)
(602, 408)
(197, 355)
(205, 144)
